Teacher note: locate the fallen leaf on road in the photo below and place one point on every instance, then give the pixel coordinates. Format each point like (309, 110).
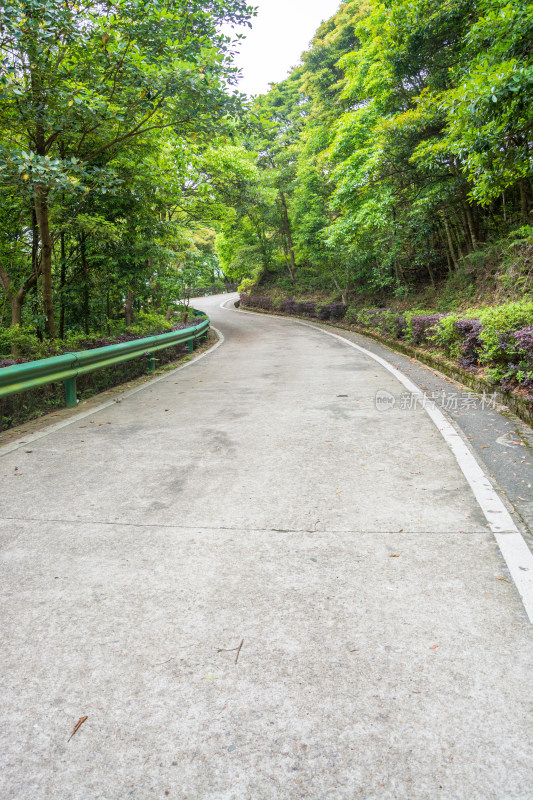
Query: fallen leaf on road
(77, 726)
(434, 646)
(338, 491)
(395, 555)
(501, 579)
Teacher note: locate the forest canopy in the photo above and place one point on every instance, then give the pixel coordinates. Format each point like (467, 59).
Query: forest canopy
(398, 148)
(106, 110)
(394, 156)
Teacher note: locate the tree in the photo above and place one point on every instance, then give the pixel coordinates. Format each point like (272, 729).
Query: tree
(80, 82)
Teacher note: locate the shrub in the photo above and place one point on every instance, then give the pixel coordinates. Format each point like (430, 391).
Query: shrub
(372, 318)
(288, 305)
(20, 341)
(499, 323)
(422, 327)
(306, 308)
(246, 286)
(10, 362)
(29, 348)
(470, 342)
(395, 324)
(332, 311)
(351, 316)
(459, 338)
(256, 301)
(524, 342)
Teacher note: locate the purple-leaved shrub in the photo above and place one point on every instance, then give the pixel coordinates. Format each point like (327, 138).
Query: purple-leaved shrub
(422, 328)
(470, 344)
(256, 301)
(332, 311)
(306, 308)
(524, 340)
(10, 362)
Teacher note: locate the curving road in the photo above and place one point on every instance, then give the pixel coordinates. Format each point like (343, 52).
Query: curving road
(257, 499)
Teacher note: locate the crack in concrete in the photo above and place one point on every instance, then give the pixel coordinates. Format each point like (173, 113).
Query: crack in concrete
(172, 526)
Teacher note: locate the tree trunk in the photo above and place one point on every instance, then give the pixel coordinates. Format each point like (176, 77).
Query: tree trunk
(430, 273)
(470, 222)
(504, 206)
(290, 246)
(85, 273)
(456, 234)
(34, 242)
(443, 248)
(525, 197)
(16, 309)
(335, 281)
(128, 309)
(15, 299)
(459, 229)
(450, 242)
(108, 312)
(42, 214)
(346, 291)
(63, 280)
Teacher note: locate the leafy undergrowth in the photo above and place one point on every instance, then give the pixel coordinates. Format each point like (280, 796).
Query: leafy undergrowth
(19, 408)
(19, 344)
(495, 342)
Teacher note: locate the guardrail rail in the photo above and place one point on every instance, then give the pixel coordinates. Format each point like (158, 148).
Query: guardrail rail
(67, 367)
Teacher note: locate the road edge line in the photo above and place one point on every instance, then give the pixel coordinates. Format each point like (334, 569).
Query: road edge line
(513, 547)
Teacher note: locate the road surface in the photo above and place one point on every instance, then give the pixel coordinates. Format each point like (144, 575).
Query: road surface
(257, 499)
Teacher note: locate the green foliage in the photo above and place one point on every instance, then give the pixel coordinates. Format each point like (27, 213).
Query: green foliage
(108, 117)
(400, 149)
(21, 341)
(498, 322)
(392, 164)
(245, 285)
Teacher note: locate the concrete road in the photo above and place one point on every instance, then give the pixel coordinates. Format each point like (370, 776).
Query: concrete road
(257, 499)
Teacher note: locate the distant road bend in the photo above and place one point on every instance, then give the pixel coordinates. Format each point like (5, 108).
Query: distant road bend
(254, 583)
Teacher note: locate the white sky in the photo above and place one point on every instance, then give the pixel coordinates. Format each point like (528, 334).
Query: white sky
(281, 31)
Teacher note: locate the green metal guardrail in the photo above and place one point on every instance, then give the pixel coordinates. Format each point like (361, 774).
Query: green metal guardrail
(69, 366)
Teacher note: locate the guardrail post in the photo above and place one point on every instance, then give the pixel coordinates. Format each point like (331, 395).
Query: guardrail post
(70, 393)
(190, 346)
(150, 362)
